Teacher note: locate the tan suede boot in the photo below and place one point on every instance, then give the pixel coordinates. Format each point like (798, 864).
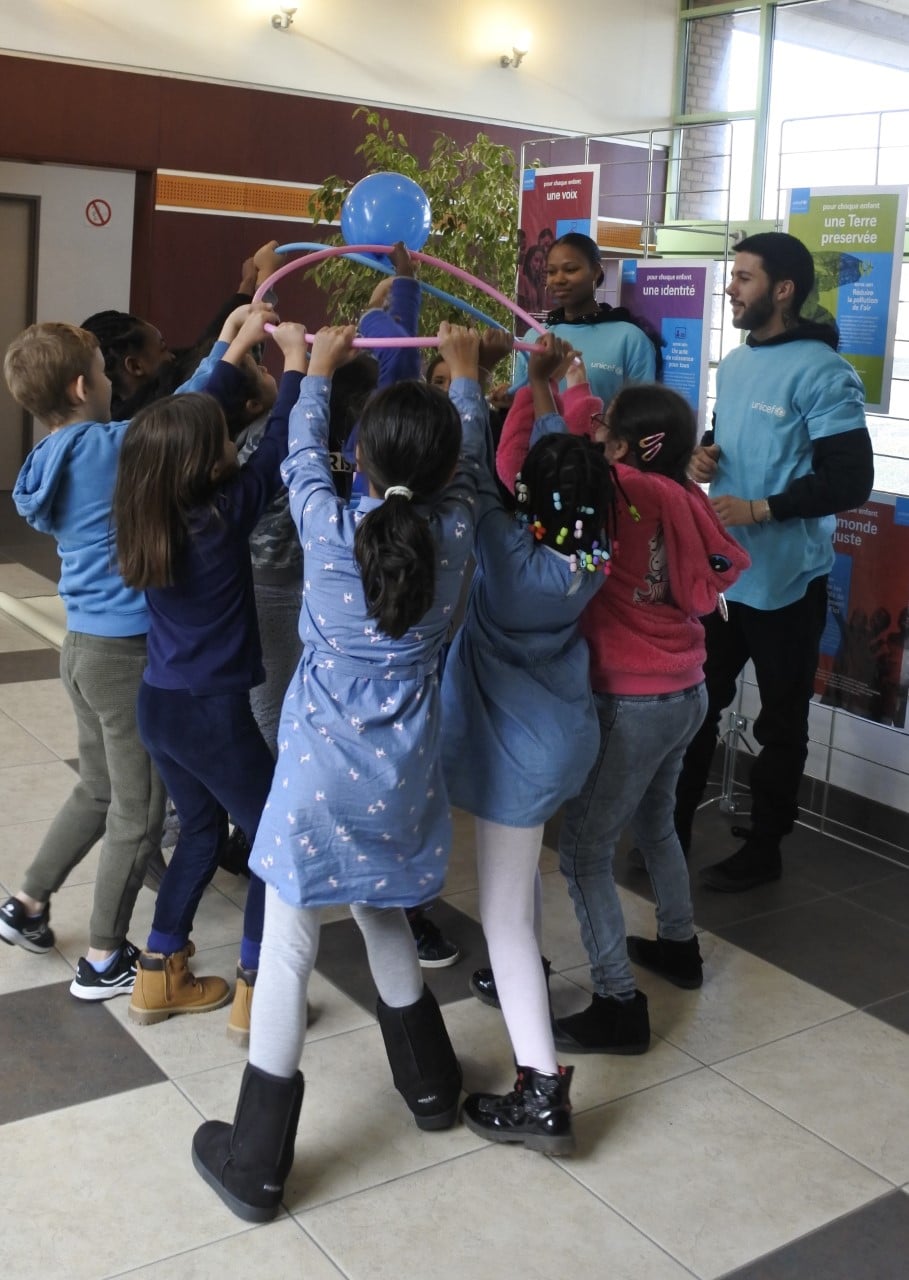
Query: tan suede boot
(241, 1009)
(164, 986)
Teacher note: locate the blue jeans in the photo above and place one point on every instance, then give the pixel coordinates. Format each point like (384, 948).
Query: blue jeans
(642, 743)
(211, 756)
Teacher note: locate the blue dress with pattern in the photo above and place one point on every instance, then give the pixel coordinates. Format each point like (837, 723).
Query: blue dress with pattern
(358, 810)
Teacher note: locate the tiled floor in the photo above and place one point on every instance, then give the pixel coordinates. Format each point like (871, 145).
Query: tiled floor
(764, 1136)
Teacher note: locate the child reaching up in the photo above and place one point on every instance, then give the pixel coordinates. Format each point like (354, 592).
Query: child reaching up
(65, 488)
(672, 559)
(184, 512)
(516, 688)
(358, 811)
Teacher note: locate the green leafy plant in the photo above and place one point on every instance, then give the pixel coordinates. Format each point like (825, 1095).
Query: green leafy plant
(473, 197)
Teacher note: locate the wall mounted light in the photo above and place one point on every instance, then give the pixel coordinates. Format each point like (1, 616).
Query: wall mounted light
(284, 20)
(519, 51)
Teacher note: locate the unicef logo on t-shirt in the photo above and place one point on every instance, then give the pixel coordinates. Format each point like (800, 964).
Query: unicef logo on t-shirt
(775, 410)
(610, 368)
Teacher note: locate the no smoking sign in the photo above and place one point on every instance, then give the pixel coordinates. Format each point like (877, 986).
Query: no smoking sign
(97, 212)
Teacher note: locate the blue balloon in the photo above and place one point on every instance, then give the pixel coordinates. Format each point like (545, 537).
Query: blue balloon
(386, 207)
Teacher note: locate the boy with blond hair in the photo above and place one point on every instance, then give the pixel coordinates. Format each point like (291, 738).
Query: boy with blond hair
(65, 487)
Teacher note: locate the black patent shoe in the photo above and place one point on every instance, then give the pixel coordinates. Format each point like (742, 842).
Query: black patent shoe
(483, 984)
(537, 1113)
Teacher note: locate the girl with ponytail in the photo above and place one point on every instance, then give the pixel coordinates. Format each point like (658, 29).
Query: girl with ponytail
(358, 812)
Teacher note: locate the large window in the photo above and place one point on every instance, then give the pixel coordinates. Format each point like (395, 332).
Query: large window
(823, 88)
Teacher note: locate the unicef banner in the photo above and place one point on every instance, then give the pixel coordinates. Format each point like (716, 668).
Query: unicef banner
(864, 660)
(855, 235)
(674, 298)
(553, 202)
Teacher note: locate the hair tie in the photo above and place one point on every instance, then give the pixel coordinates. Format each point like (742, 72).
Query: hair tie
(399, 490)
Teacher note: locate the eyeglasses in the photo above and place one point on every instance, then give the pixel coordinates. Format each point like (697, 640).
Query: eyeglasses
(599, 420)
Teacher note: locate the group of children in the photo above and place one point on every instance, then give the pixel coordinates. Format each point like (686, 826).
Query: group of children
(574, 681)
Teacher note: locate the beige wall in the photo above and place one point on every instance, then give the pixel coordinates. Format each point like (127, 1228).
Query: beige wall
(594, 65)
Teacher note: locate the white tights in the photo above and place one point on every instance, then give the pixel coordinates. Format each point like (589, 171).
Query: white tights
(289, 946)
(507, 869)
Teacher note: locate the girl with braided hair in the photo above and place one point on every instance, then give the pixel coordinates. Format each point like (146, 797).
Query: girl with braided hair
(516, 688)
(672, 559)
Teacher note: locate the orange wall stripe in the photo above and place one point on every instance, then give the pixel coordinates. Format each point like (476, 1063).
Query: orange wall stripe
(230, 195)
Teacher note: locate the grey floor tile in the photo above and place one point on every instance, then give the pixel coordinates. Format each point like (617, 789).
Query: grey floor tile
(30, 664)
(342, 958)
(870, 1244)
(56, 1051)
(888, 897)
(834, 944)
(895, 1011)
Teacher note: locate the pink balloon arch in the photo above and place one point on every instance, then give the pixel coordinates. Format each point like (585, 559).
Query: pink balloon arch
(338, 251)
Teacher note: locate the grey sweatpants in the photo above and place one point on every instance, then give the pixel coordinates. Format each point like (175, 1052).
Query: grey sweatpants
(118, 795)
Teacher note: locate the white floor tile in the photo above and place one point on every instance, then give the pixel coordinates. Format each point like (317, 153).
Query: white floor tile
(95, 1189)
(22, 970)
(281, 1250)
(498, 1214)
(847, 1081)
(714, 1176)
(29, 792)
(17, 639)
(744, 1002)
(44, 709)
(16, 580)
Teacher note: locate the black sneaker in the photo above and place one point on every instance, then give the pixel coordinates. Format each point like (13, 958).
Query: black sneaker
(433, 950)
(118, 980)
(20, 929)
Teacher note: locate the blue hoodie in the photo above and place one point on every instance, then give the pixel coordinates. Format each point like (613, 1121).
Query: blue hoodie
(65, 488)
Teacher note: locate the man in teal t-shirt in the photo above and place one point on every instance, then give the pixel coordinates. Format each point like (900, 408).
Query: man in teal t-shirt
(789, 449)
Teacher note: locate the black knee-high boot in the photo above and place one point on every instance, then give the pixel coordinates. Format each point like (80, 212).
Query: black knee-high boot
(247, 1162)
(423, 1064)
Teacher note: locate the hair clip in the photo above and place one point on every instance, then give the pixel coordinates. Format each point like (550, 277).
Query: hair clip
(650, 446)
(634, 513)
(586, 511)
(557, 501)
(561, 536)
(572, 563)
(521, 491)
(578, 529)
(538, 530)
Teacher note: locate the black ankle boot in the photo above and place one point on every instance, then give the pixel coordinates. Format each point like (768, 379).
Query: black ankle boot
(607, 1025)
(424, 1068)
(757, 862)
(537, 1112)
(247, 1163)
(678, 962)
(483, 984)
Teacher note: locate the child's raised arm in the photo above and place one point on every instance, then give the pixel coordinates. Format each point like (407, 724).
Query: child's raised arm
(546, 367)
(459, 346)
(249, 324)
(495, 345)
(291, 338)
(333, 346)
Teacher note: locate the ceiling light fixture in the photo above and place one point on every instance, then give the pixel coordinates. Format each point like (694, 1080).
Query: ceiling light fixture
(519, 51)
(284, 20)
